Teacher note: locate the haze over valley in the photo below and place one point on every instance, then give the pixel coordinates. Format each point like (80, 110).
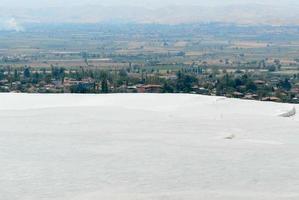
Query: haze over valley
(165, 12)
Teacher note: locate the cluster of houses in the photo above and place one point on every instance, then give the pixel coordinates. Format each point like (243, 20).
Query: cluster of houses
(277, 95)
(88, 85)
(68, 83)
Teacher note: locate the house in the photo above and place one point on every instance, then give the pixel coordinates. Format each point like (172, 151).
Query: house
(238, 95)
(132, 89)
(149, 89)
(295, 91)
(251, 97)
(274, 99)
(295, 100)
(259, 82)
(201, 90)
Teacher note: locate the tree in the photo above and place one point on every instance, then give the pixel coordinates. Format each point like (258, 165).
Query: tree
(251, 86)
(27, 72)
(2, 76)
(286, 85)
(104, 86)
(167, 88)
(185, 82)
(16, 75)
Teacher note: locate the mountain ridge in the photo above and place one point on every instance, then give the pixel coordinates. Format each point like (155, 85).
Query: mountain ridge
(240, 14)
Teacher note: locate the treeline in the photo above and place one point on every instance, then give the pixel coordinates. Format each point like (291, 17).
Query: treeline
(186, 80)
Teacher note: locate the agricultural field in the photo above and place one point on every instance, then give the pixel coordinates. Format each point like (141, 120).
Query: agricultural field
(107, 46)
(125, 57)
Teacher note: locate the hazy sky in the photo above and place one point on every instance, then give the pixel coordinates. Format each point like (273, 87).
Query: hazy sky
(150, 3)
(16, 12)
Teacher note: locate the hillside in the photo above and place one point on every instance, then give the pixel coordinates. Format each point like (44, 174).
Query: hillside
(146, 146)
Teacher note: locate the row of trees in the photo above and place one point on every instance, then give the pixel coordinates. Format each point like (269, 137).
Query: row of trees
(186, 80)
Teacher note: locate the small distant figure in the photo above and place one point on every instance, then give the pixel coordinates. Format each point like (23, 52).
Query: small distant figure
(232, 136)
(289, 113)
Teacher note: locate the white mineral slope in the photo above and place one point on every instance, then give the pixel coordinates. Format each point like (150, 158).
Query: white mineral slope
(146, 147)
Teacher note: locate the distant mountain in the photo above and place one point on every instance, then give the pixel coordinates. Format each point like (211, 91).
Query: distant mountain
(242, 14)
